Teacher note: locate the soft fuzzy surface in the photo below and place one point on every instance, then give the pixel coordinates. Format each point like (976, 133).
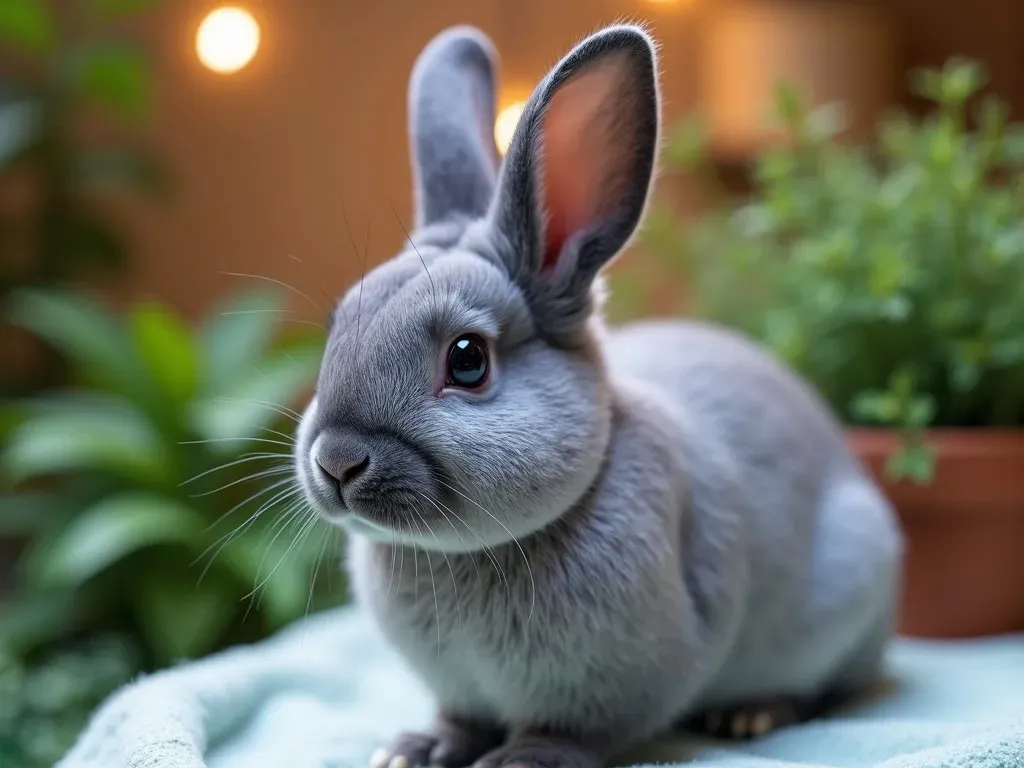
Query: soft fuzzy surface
(327, 692)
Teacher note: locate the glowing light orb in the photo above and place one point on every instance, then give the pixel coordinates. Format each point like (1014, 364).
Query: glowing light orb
(505, 125)
(227, 39)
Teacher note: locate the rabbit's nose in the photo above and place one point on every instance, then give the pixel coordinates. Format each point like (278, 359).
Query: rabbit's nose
(343, 470)
(340, 456)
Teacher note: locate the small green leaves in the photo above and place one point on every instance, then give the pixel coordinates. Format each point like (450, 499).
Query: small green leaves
(86, 434)
(165, 346)
(110, 530)
(170, 428)
(915, 462)
(890, 275)
(27, 25)
(116, 76)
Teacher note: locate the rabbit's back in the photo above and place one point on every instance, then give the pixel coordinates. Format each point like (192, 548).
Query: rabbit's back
(823, 545)
(773, 424)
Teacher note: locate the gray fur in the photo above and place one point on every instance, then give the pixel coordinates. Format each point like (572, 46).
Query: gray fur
(451, 111)
(627, 526)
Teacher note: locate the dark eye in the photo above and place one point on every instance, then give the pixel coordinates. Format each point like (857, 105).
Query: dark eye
(467, 362)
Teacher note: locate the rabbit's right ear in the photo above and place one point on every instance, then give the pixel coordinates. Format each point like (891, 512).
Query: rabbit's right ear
(451, 119)
(575, 180)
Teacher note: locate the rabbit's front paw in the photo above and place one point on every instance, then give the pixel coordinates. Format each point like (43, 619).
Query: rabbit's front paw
(751, 720)
(449, 743)
(540, 752)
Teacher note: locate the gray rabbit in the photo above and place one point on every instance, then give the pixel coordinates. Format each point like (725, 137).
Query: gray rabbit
(579, 538)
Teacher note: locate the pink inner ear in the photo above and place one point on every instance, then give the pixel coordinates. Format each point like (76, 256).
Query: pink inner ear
(580, 158)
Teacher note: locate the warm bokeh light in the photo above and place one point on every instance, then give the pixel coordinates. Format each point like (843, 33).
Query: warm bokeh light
(505, 125)
(227, 39)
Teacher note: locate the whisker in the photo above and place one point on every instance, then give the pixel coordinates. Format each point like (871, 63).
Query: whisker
(209, 440)
(334, 549)
(308, 524)
(455, 587)
(401, 564)
(253, 497)
(362, 270)
(244, 459)
(297, 320)
(316, 571)
(275, 407)
(437, 505)
(433, 586)
(320, 276)
(289, 516)
(276, 282)
(290, 438)
(487, 549)
(268, 311)
(416, 570)
(248, 478)
(391, 579)
(233, 534)
(526, 560)
(433, 287)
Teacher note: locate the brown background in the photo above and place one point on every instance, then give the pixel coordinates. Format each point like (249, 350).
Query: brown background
(263, 159)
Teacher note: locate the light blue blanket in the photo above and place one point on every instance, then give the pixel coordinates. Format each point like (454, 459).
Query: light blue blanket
(327, 692)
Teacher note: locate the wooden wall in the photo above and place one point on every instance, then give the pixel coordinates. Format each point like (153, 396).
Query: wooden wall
(264, 159)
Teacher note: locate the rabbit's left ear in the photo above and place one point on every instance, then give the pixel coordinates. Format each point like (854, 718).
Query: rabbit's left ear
(575, 180)
(451, 119)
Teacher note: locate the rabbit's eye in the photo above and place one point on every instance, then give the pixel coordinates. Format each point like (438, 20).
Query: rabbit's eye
(467, 362)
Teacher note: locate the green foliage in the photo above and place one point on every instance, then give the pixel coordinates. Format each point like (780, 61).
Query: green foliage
(45, 704)
(70, 66)
(149, 512)
(891, 276)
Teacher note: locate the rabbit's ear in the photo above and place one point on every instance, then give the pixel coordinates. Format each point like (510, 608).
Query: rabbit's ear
(576, 177)
(451, 119)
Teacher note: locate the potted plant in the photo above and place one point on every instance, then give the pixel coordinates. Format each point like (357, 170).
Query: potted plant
(891, 276)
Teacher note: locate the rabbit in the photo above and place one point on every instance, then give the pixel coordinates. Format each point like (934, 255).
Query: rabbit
(579, 537)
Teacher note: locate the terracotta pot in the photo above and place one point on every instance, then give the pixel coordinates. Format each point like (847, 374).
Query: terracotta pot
(964, 571)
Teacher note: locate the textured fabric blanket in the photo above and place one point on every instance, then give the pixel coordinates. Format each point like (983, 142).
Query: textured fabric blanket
(327, 692)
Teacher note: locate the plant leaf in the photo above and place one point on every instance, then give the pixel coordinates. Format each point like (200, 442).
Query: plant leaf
(165, 345)
(915, 462)
(279, 572)
(236, 334)
(87, 434)
(115, 8)
(26, 24)
(255, 402)
(84, 333)
(25, 513)
(110, 530)
(117, 76)
(182, 620)
(31, 619)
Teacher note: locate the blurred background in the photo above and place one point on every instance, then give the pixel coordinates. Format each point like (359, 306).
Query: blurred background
(186, 186)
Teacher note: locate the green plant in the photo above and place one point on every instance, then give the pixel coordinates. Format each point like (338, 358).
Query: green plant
(891, 276)
(44, 704)
(73, 96)
(124, 480)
